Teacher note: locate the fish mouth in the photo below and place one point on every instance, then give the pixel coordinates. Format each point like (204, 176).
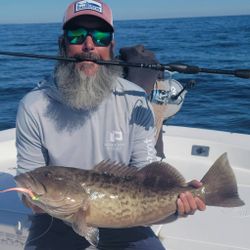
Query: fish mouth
(57, 205)
(46, 197)
(28, 181)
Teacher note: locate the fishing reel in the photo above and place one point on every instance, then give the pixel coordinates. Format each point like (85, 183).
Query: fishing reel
(167, 92)
(171, 93)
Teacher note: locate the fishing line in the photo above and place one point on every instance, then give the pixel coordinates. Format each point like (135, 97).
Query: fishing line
(42, 234)
(173, 67)
(34, 198)
(22, 190)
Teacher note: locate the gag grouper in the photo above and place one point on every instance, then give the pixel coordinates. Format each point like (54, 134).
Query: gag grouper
(117, 196)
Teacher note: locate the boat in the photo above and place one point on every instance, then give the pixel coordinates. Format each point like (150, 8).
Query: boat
(192, 151)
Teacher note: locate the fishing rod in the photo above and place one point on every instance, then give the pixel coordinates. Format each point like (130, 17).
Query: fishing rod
(173, 67)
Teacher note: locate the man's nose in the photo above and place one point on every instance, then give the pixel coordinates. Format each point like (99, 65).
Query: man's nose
(88, 44)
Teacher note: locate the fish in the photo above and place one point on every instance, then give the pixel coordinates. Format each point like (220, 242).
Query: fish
(114, 195)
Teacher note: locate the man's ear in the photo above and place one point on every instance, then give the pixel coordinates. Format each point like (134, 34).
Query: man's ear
(62, 45)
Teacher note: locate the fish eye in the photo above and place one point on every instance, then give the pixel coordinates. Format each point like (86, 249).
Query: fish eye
(48, 174)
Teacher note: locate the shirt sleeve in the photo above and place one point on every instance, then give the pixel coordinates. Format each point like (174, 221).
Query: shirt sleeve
(143, 142)
(30, 152)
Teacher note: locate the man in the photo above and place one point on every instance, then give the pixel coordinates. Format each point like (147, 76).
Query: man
(85, 113)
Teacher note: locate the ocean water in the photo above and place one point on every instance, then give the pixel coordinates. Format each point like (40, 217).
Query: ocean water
(218, 102)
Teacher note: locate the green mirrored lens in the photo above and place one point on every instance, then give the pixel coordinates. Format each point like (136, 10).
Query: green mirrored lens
(78, 36)
(102, 38)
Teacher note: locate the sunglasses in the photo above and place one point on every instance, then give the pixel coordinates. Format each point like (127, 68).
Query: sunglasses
(100, 38)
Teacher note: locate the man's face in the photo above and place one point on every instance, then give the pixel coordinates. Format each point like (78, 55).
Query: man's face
(88, 48)
(85, 85)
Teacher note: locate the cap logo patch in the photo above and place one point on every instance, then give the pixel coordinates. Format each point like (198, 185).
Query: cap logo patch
(88, 5)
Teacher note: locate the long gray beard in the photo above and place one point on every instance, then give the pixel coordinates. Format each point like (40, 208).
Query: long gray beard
(79, 91)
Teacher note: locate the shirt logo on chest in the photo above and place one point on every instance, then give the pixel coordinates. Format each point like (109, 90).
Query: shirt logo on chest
(114, 140)
(115, 136)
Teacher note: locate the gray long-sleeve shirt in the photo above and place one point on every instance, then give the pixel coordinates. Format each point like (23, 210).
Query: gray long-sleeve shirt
(50, 133)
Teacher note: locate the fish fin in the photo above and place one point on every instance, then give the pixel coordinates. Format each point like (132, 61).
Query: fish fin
(91, 234)
(220, 185)
(160, 175)
(116, 169)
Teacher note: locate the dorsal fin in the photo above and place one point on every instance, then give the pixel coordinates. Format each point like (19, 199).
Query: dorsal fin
(154, 175)
(115, 169)
(160, 175)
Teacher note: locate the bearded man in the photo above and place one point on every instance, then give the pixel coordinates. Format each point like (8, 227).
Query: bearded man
(81, 115)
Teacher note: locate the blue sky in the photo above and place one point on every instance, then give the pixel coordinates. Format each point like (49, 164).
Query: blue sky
(33, 11)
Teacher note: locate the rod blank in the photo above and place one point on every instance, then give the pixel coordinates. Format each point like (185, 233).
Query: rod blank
(181, 68)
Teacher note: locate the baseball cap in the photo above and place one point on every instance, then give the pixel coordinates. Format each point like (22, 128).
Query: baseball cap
(95, 8)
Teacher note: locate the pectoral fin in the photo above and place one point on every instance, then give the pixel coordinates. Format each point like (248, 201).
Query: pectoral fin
(80, 227)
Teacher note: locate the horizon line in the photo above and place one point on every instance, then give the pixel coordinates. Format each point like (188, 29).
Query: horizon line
(132, 19)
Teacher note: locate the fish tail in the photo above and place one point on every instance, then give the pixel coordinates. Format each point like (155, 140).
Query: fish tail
(220, 185)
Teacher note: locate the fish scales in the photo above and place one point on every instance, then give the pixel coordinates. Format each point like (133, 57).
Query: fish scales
(115, 202)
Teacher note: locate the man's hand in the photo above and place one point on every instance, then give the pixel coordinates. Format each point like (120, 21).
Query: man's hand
(187, 203)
